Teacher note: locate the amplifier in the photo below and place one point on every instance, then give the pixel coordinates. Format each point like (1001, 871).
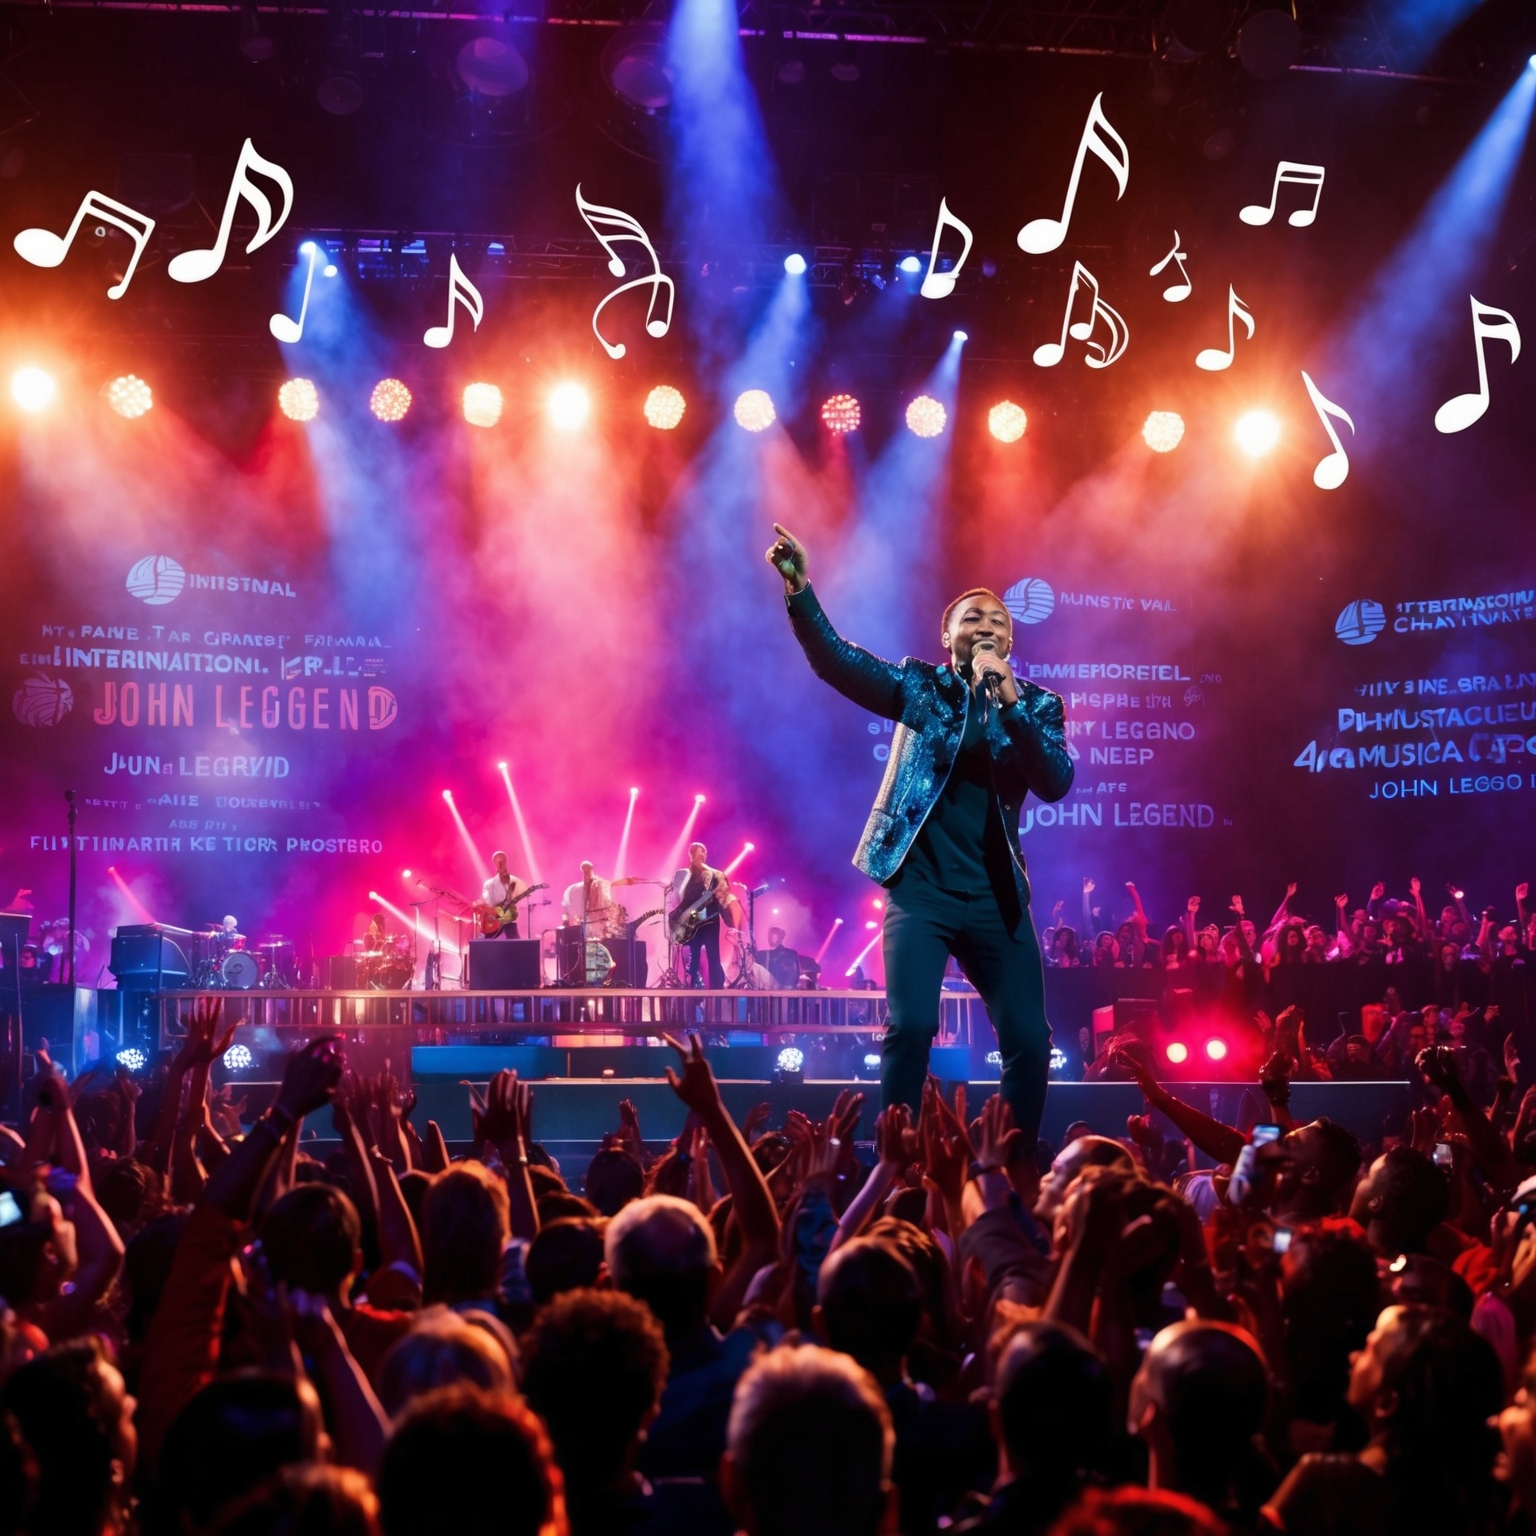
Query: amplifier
(503, 965)
(143, 954)
(341, 973)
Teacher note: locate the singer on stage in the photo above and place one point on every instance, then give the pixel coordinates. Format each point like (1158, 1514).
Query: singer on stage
(943, 837)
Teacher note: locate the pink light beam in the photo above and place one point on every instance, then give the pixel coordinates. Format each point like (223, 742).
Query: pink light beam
(735, 863)
(675, 857)
(522, 826)
(629, 821)
(420, 925)
(144, 914)
(858, 958)
(826, 943)
(476, 859)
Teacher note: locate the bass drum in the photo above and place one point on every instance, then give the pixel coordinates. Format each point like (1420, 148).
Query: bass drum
(240, 970)
(599, 963)
(390, 973)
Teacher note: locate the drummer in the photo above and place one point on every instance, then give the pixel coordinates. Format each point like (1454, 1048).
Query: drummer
(229, 936)
(588, 902)
(378, 933)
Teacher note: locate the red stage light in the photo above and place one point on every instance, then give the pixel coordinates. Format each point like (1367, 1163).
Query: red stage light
(841, 414)
(1216, 1049)
(1177, 1052)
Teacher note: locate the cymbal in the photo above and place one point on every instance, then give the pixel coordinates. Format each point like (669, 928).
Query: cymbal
(278, 943)
(636, 880)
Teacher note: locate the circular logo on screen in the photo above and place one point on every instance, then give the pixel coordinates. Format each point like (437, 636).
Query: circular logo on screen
(42, 700)
(156, 579)
(1360, 622)
(1030, 600)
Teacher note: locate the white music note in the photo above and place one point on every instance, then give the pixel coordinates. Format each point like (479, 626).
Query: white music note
(197, 266)
(1176, 293)
(1331, 470)
(1300, 175)
(1213, 359)
(460, 291)
(1458, 413)
(292, 330)
(1041, 235)
(939, 285)
(43, 248)
(1049, 353)
(623, 226)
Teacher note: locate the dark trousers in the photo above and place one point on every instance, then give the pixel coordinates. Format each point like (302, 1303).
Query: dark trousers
(924, 926)
(706, 937)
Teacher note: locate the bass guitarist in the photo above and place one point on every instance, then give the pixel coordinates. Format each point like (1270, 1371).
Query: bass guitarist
(701, 894)
(502, 892)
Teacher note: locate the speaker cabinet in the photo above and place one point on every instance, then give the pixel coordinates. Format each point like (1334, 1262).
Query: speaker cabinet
(503, 965)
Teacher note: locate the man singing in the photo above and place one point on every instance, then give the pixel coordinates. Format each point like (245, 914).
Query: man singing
(943, 837)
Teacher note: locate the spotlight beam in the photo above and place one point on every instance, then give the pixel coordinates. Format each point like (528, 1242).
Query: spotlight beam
(522, 826)
(858, 959)
(411, 920)
(475, 857)
(826, 943)
(731, 868)
(684, 837)
(143, 912)
(629, 819)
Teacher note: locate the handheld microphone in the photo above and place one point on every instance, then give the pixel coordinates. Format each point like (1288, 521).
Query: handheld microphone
(991, 683)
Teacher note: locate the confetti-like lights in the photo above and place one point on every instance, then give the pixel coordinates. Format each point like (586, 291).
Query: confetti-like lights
(791, 1059)
(926, 417)
(129, 396)
(664, 407)
(754, 410)
(1007, 421)
(1163, 431)
(569, 405)
(390, 400)
(482, 405)
(32, 389)
(132, 1058)
(1257, 433)
(840, 414)
(238, 1057)
(299, 400)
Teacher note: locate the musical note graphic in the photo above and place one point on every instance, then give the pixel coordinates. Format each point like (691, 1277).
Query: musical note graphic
(43, 248)
(291, 330)
(1213, 359)
(460, 291)
(1177, 292)
(623, 226)
(1300, 175)
(1458, 413)
(1049, 353)
(939, 285)
(1041, 235)
(198, 266)
(1331, 470)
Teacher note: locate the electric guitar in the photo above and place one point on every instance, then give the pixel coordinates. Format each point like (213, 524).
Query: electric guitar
(687, 921)
(495, 919)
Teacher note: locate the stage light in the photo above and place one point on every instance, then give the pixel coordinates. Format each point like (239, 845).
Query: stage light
(390, 400)
(664, 407)
(129, 396)
(961, 336)
(569, 406)
(911, 265)
(328, 270)
(871, 1061)
(448, 796)
(491, 65)
(871, 923)
(840, 414)
(698, 799)
(1256, 433)
(1162, 431)
(482, 405)
(791, 1059)
(926, 417)
(1007, 421)
(373, 895)
(32, 389)
(298, 400)
(994, 1058)
(238, 1057)
(1216, 1050)
(754, 410)
(1177, 1052)
(133, 1058)
(794, 264)
(405, 874)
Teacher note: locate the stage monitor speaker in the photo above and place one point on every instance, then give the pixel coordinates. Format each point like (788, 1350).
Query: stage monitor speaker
(341, 973)
(139, 958)
(503, 965)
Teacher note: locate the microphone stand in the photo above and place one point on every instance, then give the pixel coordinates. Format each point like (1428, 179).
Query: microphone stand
(69, 795)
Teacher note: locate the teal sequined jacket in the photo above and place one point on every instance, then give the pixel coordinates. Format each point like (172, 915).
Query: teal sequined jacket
(929, 704)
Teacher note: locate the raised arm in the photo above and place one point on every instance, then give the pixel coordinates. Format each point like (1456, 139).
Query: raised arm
(857, 674)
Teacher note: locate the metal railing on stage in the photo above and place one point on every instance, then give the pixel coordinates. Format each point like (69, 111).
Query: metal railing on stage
(564, 1010)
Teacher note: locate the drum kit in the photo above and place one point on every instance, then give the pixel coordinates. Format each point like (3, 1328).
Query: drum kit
(385, 962)
(224, 960)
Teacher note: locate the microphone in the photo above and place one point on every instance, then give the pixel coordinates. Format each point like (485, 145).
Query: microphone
(991, 682)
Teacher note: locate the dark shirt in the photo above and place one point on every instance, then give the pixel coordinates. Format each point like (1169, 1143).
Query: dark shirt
(963, 845)
(688, 1435)
(691, 893)
(943, 1450)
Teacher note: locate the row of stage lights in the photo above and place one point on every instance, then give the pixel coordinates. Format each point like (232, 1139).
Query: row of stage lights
(568, 407)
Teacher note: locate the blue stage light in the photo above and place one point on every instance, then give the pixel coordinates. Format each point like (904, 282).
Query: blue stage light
(794, 264)
(962, 336)
(911, 265)
(791, 1059)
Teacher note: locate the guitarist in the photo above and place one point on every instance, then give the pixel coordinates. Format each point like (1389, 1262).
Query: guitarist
(688, 886)
(503, 889)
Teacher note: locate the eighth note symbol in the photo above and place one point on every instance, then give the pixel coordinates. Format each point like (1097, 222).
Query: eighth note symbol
(939, 285)
(1298, 175)
(1049, 353)
(1176, 293)
(1213, 359)
(1459, 412)
(460, 291)
(1041, 235)
(43, 248)
(281, 326)
(1331, 470)
(610, 226)
(197, 266)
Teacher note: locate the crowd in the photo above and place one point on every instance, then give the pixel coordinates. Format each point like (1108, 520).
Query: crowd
(1386, 928)
(775, 1330)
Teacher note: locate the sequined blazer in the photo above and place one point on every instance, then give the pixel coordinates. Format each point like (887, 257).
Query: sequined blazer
(929, 704)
